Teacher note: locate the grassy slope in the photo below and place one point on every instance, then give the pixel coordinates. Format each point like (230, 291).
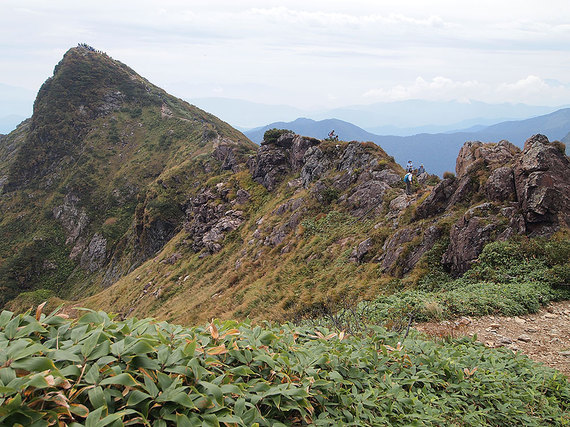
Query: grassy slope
(253, 280)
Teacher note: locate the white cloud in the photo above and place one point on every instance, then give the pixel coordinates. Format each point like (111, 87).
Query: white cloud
(531, 90)
(302, 51)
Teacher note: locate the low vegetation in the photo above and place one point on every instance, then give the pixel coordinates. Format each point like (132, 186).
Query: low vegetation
(510, 278)
(97, 371)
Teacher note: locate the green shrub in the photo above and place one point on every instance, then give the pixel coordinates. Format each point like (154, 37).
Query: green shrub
(272, 135)
(99, 371)
(448, 175)
(560, 146)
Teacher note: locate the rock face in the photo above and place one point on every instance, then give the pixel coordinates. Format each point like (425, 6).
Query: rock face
(532, 185)
(74, 220)
(225, 152)
(405, 248)
(208, 221)
(93, 256)
(275, 160)
(438, 200)
(542, 181)
(474, 155)
(500, 185)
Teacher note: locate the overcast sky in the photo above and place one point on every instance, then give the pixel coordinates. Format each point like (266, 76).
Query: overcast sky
(306, 53)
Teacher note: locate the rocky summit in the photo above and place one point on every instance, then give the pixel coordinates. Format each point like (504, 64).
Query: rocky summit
(117, 195)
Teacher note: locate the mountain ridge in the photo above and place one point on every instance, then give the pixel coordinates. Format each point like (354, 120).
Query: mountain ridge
(421, 147)
(145, 205)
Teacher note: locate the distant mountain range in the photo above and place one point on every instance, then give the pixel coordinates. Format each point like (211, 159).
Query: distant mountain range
(436, 151)
(400, 118)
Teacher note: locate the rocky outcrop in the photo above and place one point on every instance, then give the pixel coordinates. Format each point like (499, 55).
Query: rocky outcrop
(500, 185)
(542, 181)
(532, 186)
(210, 218)
(438, 199)
(403, 250)
(366, 197)
(74, 220)
(94, 255)
(361, 250)
(467, 238)
(316, 164)
(277, 159)
(225, 152)
(474, 155)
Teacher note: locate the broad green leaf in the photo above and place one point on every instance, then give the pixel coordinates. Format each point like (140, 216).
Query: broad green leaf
(121, 379)
(89, 344)
(65, 355)
(210, 421)
(150, 386)
(111, 418)
(92, 375)
(183, 421)
(136, 397)
(94, 417)
(213, 390)
(5, 317)
(30, 328)
(34, 364)
(97, 397)
(79, 410)
(11, 327)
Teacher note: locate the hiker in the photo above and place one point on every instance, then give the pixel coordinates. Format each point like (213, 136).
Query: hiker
(408, 180)
(333, 136)
(409, 166)
(421, 169)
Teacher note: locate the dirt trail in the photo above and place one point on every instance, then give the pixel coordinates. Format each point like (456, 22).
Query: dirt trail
(543, 336)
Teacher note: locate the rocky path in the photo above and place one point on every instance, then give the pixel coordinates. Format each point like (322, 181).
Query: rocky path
(543, 336)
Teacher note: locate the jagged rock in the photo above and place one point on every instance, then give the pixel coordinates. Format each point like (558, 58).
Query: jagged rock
(394, 246)
(355, 157)
(242, 197)
(438, 199)
(473, 155)
(468, 236)
(365, 197)
(542, 181)
(210, 218)
(93, 256)
(316, 164)
(72, 218)
(229, 222)
(361, 251)
(431, 235)
(423, 177)
(270, 166)
(465, 188)
(399, 203)
(278, 235)
(386, 175)
(394, 260)
(275, 160)
(173, 259)
(500, 185)
(224, 151)
(397, 206)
